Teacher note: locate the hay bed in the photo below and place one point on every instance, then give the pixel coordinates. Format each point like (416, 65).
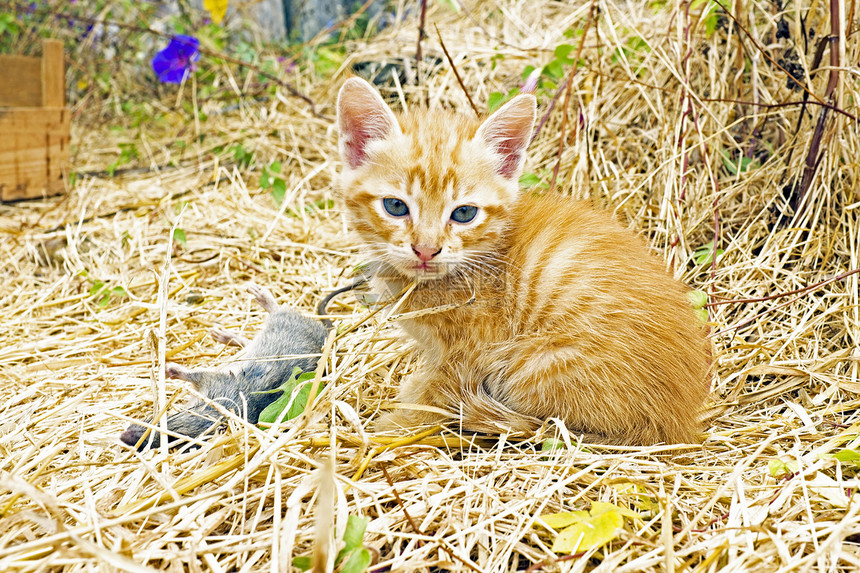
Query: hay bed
(74, 374)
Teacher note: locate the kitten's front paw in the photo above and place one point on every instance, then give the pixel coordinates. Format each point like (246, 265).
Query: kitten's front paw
(400, 420)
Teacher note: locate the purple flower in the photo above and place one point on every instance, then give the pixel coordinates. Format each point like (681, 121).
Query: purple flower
(173, 63)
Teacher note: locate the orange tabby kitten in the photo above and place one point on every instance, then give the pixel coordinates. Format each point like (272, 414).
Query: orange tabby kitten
(535, 307)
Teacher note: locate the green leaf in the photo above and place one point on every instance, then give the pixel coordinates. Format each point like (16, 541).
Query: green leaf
(551, 444)
(118, 291)
(554, 69)
(275, 167)
(704, 254)
(740, 165)
(527, 71)
(495, 101)
(358, 561)
(295, 400)
(327, 59)
(96, 287)
(302, 562)
(179, 236)
(279, 190)
(315, 207)
(701, 314)
(451, 5)
(104, 300)
(848, 455)
(529, 180)
(241, 155)
(712, 19)
(562, 54)
(8, 24)
(697, 298)
(353, 535)
(782, 468)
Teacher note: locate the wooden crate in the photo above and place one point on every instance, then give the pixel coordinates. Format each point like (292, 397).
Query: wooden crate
(34, 124)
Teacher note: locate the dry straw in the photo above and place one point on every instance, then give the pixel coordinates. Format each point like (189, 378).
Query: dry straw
(661, 111)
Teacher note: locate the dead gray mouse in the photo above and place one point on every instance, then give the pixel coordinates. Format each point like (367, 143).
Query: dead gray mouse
(268, 362)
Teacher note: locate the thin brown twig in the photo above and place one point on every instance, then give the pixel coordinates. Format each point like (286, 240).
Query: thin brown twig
(747, 321)
(814, 156)
(805, 289)
(831, 107)
(562, 130)
(456, 73)
(421, 35)
(412, 524)
(568, 88)
(541, 564)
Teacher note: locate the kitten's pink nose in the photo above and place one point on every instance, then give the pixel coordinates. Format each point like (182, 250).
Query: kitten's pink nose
(425, 253)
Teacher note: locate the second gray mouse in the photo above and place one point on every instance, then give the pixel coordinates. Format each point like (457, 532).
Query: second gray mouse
(288, 340)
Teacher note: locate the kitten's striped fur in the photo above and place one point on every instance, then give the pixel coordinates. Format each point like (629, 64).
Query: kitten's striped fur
(553, 308)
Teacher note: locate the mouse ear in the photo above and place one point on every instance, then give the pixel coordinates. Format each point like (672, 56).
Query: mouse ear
(362, 118)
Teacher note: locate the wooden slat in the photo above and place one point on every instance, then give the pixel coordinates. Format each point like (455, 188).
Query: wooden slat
(20, 81)
(34, 152)
(53, 74)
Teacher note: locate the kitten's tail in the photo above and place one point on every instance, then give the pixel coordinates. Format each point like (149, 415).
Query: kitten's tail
(482, 412)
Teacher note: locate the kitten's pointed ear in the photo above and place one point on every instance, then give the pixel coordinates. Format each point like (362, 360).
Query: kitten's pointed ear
(362, 117)
(508, 132)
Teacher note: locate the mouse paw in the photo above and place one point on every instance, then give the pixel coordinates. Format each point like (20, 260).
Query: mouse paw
(228, 337)
(173, 370)
(263, 296)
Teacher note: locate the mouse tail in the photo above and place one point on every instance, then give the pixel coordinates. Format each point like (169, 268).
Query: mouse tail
(322, 306)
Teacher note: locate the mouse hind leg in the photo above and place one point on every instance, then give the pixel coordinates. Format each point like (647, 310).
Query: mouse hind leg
(201, 378)
(263, 296)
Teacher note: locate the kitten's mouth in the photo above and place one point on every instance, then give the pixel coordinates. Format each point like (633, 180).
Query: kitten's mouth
(426, 270)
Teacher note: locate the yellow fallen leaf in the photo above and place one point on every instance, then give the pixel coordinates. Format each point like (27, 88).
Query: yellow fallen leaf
(217, 9)
(639, 497)
(598, 507)
(583, 530)
(563, 518)
(593, 531)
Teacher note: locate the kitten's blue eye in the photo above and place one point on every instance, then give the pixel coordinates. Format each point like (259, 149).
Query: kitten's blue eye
(395, 207)
(464, 213)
